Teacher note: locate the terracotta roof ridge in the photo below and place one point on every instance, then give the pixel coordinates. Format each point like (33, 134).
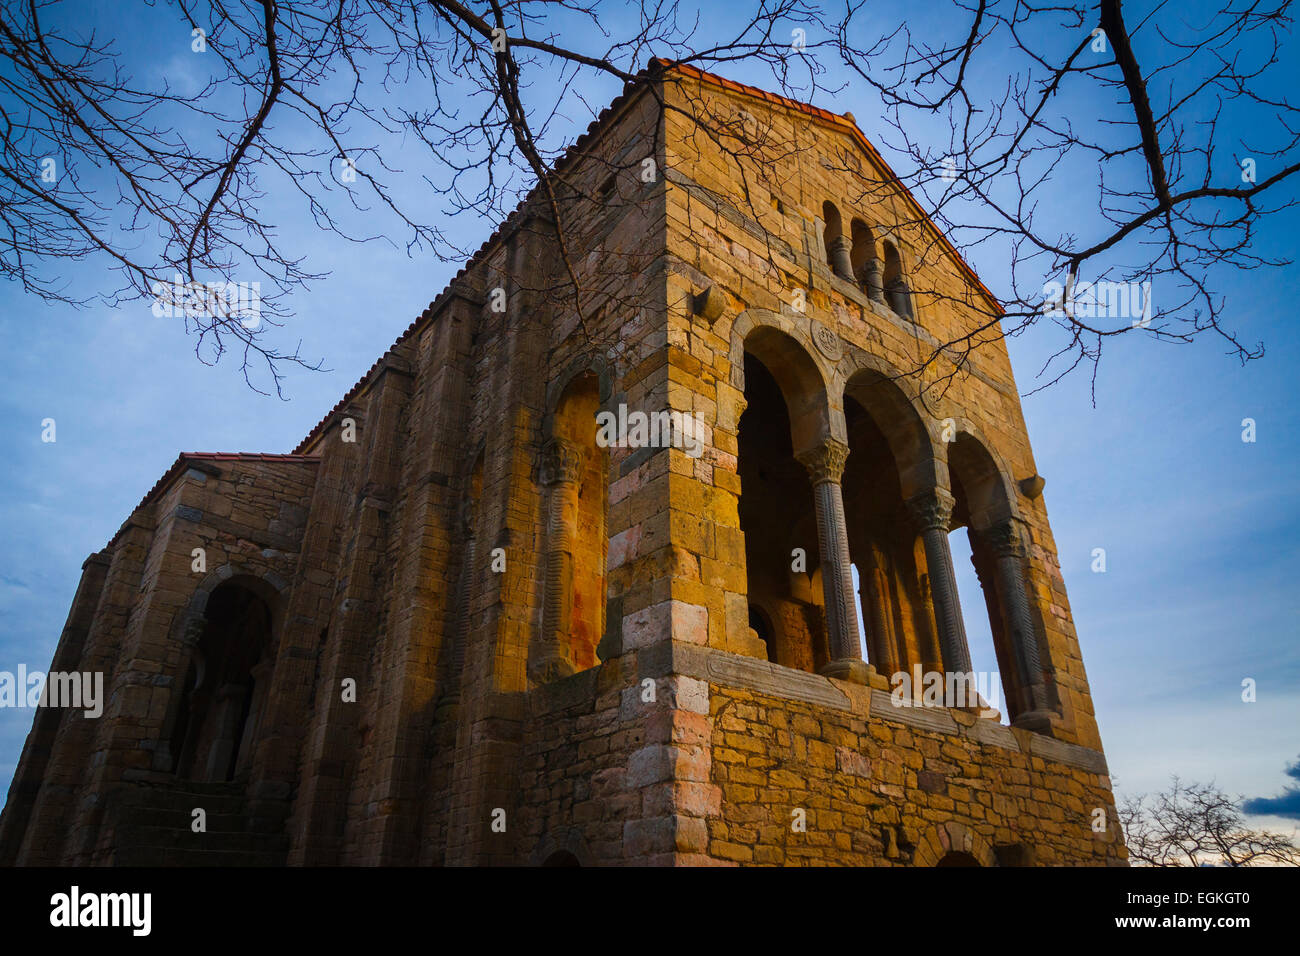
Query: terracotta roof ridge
(249, 455)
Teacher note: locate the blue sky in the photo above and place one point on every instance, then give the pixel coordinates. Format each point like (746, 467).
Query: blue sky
(1200, 528)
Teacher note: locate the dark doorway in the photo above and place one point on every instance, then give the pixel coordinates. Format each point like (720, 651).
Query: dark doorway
(225, 687)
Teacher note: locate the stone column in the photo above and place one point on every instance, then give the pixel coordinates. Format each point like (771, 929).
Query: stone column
(261, 674)
(227, 708)
(872, 281)
(825, 465)
(927, 637)
(875, 590)
(981, 560)
(163, 759)
(560, 471)
(931, 513)
(900, 298)
(839, 251)
(1005, 543)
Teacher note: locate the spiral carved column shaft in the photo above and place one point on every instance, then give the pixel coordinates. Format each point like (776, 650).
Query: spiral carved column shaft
(1004, 541)
(825, 465)
(931, 514)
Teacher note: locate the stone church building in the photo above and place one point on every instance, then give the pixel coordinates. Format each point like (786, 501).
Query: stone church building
(454, 627)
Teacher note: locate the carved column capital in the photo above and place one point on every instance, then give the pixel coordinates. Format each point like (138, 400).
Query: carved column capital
(1003, 540)
(825, 462)
(840, 253)
(561, 462)
(931, 510)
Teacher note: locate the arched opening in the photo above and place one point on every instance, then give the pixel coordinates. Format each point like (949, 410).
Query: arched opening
(780, 556)
(1000, 642)
(890, 459)
(224, 691)
(992, 670)
(832, 228)
(785, 412)
(873, 510)
(866, 263)
(957, 858)
(575, 472)
(898, 295)
(836, 243)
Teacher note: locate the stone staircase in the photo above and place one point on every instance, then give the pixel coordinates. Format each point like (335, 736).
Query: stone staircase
(154, 829)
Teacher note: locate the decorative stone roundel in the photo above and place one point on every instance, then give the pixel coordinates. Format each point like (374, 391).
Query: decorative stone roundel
(828, 343)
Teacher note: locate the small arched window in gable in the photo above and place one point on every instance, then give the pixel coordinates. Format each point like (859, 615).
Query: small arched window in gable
(898, 295)
(837, 244)
(866, 263)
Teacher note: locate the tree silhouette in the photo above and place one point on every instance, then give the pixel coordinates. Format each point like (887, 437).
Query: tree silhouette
(1195, 824)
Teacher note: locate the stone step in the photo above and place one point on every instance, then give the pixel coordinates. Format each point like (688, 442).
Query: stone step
(221, 841)
(182, 819)
(187, 801)
(176, 856)
(221, 789)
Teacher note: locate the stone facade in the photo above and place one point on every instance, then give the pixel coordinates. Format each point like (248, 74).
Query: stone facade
(452, 627)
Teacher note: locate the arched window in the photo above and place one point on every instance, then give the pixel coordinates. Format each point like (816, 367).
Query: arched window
(898, 295)
(781, 557)
(983, 507)
(837, 244)
(890, 460)
(866, 264)
(574, 472)
(225, 688)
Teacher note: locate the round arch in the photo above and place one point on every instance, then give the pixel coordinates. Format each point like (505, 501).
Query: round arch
(886, 234)
(875, 385)
(864, 246)
(953, 844)
(563, 846)
(594, 365)
(784, 346)
(832, 224)
(983, 475)
(267, 585)
(187, 628)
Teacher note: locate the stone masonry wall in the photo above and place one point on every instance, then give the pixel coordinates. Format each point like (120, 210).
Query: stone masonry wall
(682, 745)
(756, 251)
(877, 785)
